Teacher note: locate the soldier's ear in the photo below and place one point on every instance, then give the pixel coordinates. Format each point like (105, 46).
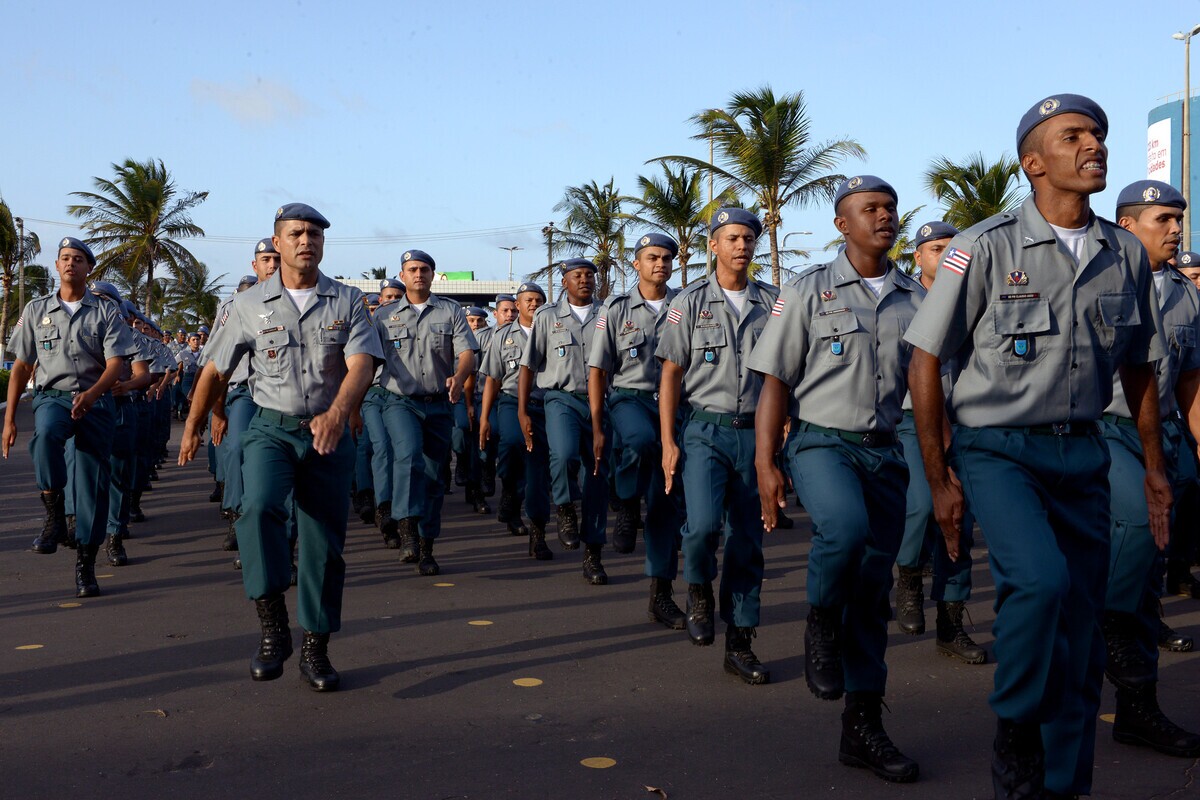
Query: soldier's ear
(843, 227)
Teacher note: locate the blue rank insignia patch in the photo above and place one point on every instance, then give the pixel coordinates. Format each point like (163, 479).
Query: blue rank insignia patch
(835, 347)
(633, 352)
(710, 356)
(562, 352)
(1021, 347)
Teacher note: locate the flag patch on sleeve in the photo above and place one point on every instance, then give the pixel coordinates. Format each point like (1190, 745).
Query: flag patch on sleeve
(777, 309)
(957, 261)
(601, 322)
(674, 316)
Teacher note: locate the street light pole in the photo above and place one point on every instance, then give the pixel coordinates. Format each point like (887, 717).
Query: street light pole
(21, 261)
(795, 233)
(1186, 166)
(511, 250)
(548, 232)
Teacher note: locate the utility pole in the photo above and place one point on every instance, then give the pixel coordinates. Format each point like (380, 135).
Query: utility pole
(1186, 187)
(548, 232)
(21, 261)
(510, 254)
(708, 267)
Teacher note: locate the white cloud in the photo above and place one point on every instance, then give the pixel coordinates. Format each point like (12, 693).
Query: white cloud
(259, 103)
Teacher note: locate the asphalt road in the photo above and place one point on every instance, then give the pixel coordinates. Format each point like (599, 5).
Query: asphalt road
(145, 692)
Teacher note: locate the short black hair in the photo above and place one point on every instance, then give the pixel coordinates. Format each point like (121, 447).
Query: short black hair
(1132, 210)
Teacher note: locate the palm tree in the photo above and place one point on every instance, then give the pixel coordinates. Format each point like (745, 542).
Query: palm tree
(135, 220)
(764, 144)
(674, 204)
(902, 251)
(193, 296)
(13, 252)
(594, 227)
(375, 273)
(976, 189)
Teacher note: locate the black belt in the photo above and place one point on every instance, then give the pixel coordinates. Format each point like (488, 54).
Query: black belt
(636, 393)
(437, 397)
(1078, 428)
(283, 420)
(1116, 419)
(868, 439)
(55, 392)
(123, 400)
(725, 420)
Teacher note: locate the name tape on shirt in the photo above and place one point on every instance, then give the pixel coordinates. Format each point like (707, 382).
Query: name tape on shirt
(674, 316)
(777, 309)
(957, 261)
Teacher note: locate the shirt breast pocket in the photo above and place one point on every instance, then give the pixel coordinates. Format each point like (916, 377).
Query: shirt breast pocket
(399, 337)
(709, 345)
(1183, 338)
(1018, 324)
(272, 351)
(839, 337)
(1118, 318)
(561, 343)
(633, 344)
(442, 338)
(48, 340)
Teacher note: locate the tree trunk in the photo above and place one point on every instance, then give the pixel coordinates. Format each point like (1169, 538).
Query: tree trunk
(7, 281)
(773, 233)
(684, 255)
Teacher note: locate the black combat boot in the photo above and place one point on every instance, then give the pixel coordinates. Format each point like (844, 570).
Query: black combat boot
(427, 566)
(593, 570)
(662, 605)
(230, 544)
(218, 492)
(460, 469)
(537, 541)
(478, 501)
(1180, 580)
(823, 653)
(275, 645)
(387, 526)
(509, 507)
(488, 474)
(1140, 721)
(740, 659)
(1172, 640)
(114, 548)
(72, 542)
(314, 663)
(866, 744)
(624, 537)
(135, 508)
(700, 614)
(366, 506)
(153, 474)
(568, 526)
(1126, 665)
(410, 548)
(294, 577)
(1018, 761)
(952, 640)
(54, 527)
(85, 570)
(910, 602)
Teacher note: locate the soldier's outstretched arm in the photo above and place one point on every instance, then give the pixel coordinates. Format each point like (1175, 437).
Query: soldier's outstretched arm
(327, 427)
(1141, 392)
(929, 413)
(16, 384)
(670, 383)
(769, 420)
(210, 385)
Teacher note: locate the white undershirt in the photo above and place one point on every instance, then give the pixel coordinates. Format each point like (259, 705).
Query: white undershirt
(70, 307)
(875, 284)
(301, 297)
(655, 305)
(580, 312)
(420, 306)
(1072, 239)
(737, 299)
(528, 331)
(1160, 277)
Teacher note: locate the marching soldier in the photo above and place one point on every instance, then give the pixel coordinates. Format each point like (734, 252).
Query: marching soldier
(627, 333)
(704, 347)
(524, 473)
(312, 353)
(505, 312)
(831, 354)
(555, 360)
(429, 352)
(1153, 211)
(390, 290)
(464, 445)
(75, 346)
(1037, 309)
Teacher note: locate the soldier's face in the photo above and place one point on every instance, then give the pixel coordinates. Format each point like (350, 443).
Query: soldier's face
(390, 294)
(265, 265)
(72, 265)
(193, 343)
(928, 256)
(654, 265)
(1158, 228)
(301, 245)
(1070, 155)
(868, 220)
(506, 312)
(733, 245)
(527, 303)
(476, 323)
(1192, 274)
(181, 338)
(417, 276)
(580, 284)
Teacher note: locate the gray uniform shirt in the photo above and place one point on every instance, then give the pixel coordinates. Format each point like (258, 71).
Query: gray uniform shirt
(164, 359)
(70, 351)
(1180, 307)
(559, 348)
(712, 345)
(297, 360)
(145, 352)
(627, 333)
(241, 372)
(1035, 337)
(483, 338)
(421, 349)
(188, 361)
(502, 360)
(839, 347)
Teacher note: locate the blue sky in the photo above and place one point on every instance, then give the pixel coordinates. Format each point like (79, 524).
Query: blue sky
(435, 123)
